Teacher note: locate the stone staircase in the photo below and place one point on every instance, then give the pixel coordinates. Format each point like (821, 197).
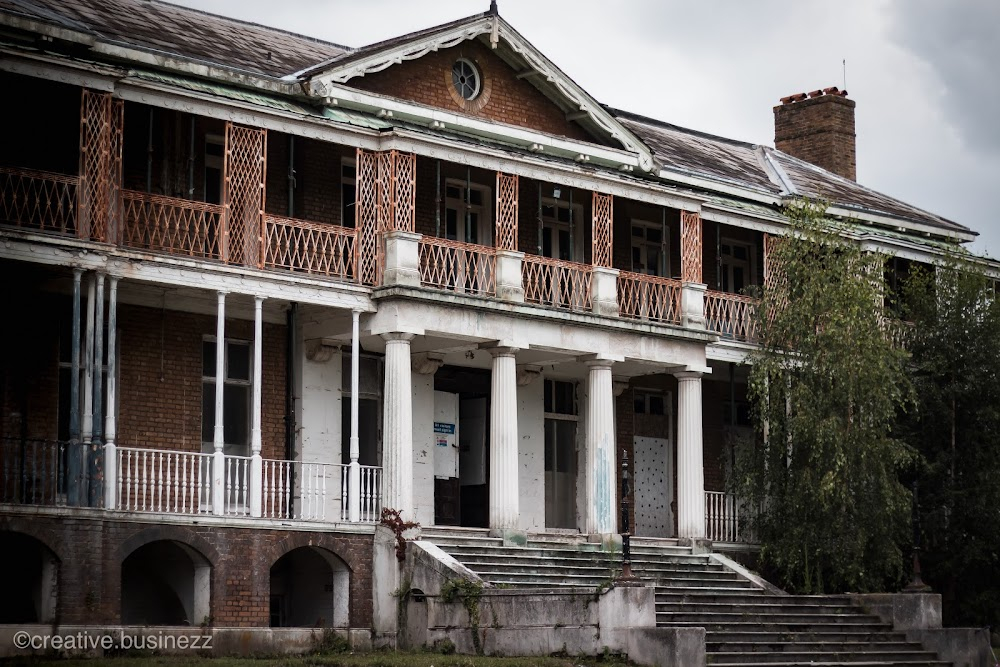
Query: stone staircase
(745, 624)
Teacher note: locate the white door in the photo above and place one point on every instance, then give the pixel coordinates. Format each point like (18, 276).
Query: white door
(654, 486)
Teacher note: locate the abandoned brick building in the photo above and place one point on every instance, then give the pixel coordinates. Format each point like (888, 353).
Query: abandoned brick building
(276, 284)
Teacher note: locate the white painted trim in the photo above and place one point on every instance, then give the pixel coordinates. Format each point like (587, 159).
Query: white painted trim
(169, 270)
(76, 74)
(898, 223)
(719, 186)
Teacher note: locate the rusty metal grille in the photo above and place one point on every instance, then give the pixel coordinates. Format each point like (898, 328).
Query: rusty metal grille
(117, 129)
(368, 248)
(309, 247)
(557, 283)
(774, 276)
(458, 267)
(731, 315)
(98, 164)
(169, 224)
(396, 191)
(243, 195)
(38, 200)
(648, 297)
(603, 236)
(506, 211)
(691, 247)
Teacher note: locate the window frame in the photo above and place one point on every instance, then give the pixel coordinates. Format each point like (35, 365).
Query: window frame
(206, 379)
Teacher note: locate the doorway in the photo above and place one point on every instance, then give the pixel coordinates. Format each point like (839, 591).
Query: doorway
(561, 415)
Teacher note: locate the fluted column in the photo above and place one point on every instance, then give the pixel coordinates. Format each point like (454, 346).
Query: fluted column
(503, 441)
(397, 425)
(600, 474)
(690, 462)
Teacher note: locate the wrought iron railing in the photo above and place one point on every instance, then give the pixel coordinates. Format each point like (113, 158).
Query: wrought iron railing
(648, 297)
(35, 472)
(39, 200)
(557, 283)
(731, 316)
(458, 267)
(310, 247)
(171, 225)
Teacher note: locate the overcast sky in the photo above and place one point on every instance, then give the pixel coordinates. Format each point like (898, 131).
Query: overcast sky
(925, 73)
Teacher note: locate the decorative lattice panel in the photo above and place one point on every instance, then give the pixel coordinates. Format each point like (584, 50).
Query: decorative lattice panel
(774, 276)
(603, 237)
(458, 267)
(169, 224)
(100, 163)
(397, 173)
(366, 218)
(243, 195)
(117, 129)
(39, 200)
(731, 315)
(691, 252)
(506, 211)
(309, 247)
(649, 297)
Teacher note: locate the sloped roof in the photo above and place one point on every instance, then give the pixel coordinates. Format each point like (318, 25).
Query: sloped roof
(160, 26)
(171, 30)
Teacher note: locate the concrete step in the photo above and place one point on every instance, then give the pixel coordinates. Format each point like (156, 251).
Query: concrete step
(674, 596)
(761, 607)
(857, 661)
(842, 646)
(840, 634)
(762, 617)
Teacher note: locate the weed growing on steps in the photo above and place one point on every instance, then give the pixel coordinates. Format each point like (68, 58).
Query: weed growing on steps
(469, 592)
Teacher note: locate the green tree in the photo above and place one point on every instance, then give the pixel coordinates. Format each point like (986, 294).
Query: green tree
(955, 343)
(826, 385)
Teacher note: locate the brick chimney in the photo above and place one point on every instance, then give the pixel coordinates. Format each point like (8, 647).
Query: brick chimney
(818, 127)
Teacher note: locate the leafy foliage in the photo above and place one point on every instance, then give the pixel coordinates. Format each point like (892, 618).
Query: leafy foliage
(955, 345)
(826, 386)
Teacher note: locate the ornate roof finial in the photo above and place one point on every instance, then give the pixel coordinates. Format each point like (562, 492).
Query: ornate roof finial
(493, 8)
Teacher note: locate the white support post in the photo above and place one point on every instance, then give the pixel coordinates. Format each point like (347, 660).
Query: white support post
(94, 493)
(690, 464)
(601, 477)
(354, 476)
(397, 425)
(88, 369)
(73, 458)
(503, 492)
(110, 421)
(218, 457)
(256, 463)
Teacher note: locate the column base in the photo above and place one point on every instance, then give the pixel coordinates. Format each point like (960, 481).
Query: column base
(511, 536)
(608, 541)
(699, 545)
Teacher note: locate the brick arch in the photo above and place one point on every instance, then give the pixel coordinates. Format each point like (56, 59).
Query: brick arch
(292, 542)
(45, 537)
(169, 533)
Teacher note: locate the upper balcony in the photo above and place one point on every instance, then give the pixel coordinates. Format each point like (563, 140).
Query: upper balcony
(165, 181)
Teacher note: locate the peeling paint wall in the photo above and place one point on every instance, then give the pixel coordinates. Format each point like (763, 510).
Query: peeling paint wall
(531, 455)
(322, 401)
(423, 448)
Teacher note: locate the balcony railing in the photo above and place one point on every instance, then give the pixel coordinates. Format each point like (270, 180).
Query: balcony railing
(725, 518)
(39, 200)
(157, 480)
(310, 247)
(731, 316)
(648, 297)
(458, 267)
(35, 471)
(171, 225)
(557, 283)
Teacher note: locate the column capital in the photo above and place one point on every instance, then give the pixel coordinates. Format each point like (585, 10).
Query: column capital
(688, 375)
(397, 336)
(426, 363)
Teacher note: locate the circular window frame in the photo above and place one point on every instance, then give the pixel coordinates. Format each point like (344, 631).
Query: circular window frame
(481, 98)
(457, 86)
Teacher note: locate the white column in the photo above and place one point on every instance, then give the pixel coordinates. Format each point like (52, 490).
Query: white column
(110, 422)
(354, 481)
(256, 377)
(218, 458)
(601, 477)
(94, 492)
(503, 442)
(88, 370)
(690, 463)
(73, 458)
(397, 425)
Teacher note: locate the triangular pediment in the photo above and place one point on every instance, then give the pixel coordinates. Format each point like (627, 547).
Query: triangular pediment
(489, 36)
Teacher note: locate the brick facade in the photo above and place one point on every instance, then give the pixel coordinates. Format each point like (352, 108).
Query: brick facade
(819, 130)
(91, 551)
(427, 80)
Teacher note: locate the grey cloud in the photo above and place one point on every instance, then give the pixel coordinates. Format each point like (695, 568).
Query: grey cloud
(960, 42)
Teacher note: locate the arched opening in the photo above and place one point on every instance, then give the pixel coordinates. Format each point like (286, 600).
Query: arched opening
(165, 583)
(310, 588)
(30, 590)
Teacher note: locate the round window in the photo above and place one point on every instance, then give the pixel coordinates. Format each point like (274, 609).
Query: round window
(465, 77)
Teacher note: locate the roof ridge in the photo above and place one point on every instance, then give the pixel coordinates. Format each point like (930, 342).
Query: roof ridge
(268, 28)
(631, 115)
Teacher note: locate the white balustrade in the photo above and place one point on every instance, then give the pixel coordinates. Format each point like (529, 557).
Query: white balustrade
(725, 518)
(237, 490)
(155, 480)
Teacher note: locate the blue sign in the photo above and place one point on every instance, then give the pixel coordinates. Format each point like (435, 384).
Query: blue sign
(441, 427)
